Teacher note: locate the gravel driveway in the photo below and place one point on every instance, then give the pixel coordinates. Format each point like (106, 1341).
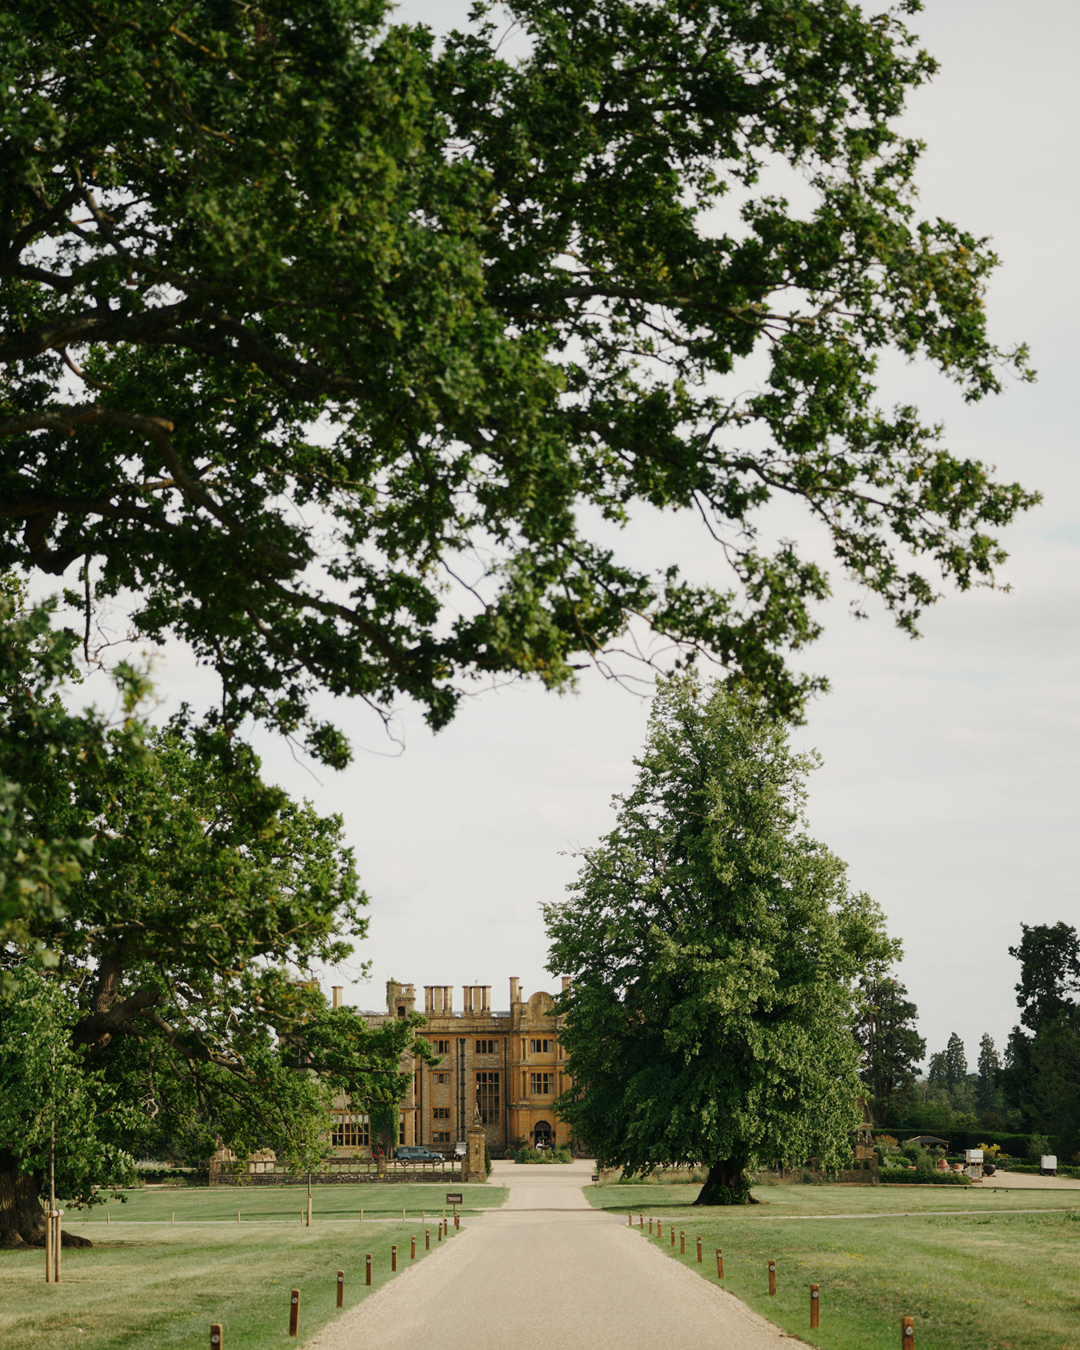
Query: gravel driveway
(548, 1272)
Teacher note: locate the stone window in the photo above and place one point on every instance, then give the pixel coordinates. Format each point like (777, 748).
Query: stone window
(542, 1084)
(487, 1047)
(440, 1137)
(441, 1113)
(487, 1097)
(440, 1078)
(441, 1047)
(545, 1046)
(349, 1129)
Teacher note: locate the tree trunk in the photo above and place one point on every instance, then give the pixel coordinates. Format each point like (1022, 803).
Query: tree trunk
(22, 1220)
(726, 1184)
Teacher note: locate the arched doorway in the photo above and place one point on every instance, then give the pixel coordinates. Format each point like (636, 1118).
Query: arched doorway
(542, 1135)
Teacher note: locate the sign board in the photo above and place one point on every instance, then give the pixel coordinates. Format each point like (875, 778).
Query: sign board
(454, 1198)
(973, 1155)
(596, 1176)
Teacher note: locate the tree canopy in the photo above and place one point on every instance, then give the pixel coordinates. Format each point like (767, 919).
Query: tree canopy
(715, 951)
(173, 969)
(892, 1047)
(340, 354)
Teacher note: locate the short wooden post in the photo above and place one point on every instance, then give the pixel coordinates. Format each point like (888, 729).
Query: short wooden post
(440, 1230)
(108, 1217)
(907, 1333)
(719, 1264)
(699, 1251)
(412, 1248)
(650, 1225)
(173, 1220)
(630, 1220)
(673, 1235)
(48, 1247)
(402, 1216)
(237, 1216)
(641, 1221)
(682, 1244)
(772, 1277)
(367, 1263)
(294, 1313)
(341, 1289)
(457, 1219)
(215, 1336)
(427, 1239)
(361, 1213)
(393, 1257)
(815, 1306)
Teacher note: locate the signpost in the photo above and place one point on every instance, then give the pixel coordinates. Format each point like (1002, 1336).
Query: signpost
(455, 1198)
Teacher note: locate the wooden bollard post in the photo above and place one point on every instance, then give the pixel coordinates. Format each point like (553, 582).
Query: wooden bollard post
(361, 1213)
(108, 1217)
(907, 1333)
(215, 1336)
(641, 1221)
(341, 1289)
(294, 1313)
(719, 1264)
(630, 1220)
(237, 1216)
(815, 1306)
(173, 1220)
(682, 1244)
(772, 1277)
(412, 1248)
(440, 1230)
(650, 1225)
(402, 1216)
(427, 1239)
(457, 1219)
(367, 1271)
(673, 1235)
(393, 1257)
(699, 1251)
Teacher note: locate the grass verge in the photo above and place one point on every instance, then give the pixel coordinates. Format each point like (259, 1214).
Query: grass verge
(995, 1279)
(150, 1286)
(285, 1204)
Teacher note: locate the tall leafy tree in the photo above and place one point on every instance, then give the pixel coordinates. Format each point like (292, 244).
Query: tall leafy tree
(989, 1073)
(174, 968)
(327, 348)
(955, 1061)
(1049, 956)
(715, 951)
(892, 1047)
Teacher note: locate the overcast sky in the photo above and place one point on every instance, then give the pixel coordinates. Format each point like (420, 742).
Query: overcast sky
(949, 781)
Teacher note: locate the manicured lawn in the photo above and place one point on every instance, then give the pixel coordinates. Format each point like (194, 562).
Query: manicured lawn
(146, 1285)
(283, 1204)
(994, 1278)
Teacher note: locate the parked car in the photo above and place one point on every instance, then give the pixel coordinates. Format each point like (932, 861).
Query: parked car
(416, 1153)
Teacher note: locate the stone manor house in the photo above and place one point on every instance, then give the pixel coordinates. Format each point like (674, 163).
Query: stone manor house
(508, 1067)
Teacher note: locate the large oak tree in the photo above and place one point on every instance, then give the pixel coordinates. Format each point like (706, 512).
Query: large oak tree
(164, 908)
(327, 347)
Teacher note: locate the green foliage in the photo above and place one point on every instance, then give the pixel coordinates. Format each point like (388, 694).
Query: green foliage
(180, 947)
(1042, 1072)
(715, 951)
(886, 1031)
(543, 1155)
(327, 345)
(53, 1109)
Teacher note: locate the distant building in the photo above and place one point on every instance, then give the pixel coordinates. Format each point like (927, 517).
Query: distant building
(506, 1066)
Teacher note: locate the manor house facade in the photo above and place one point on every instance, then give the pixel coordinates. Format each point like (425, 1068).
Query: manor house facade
(507, 1067)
